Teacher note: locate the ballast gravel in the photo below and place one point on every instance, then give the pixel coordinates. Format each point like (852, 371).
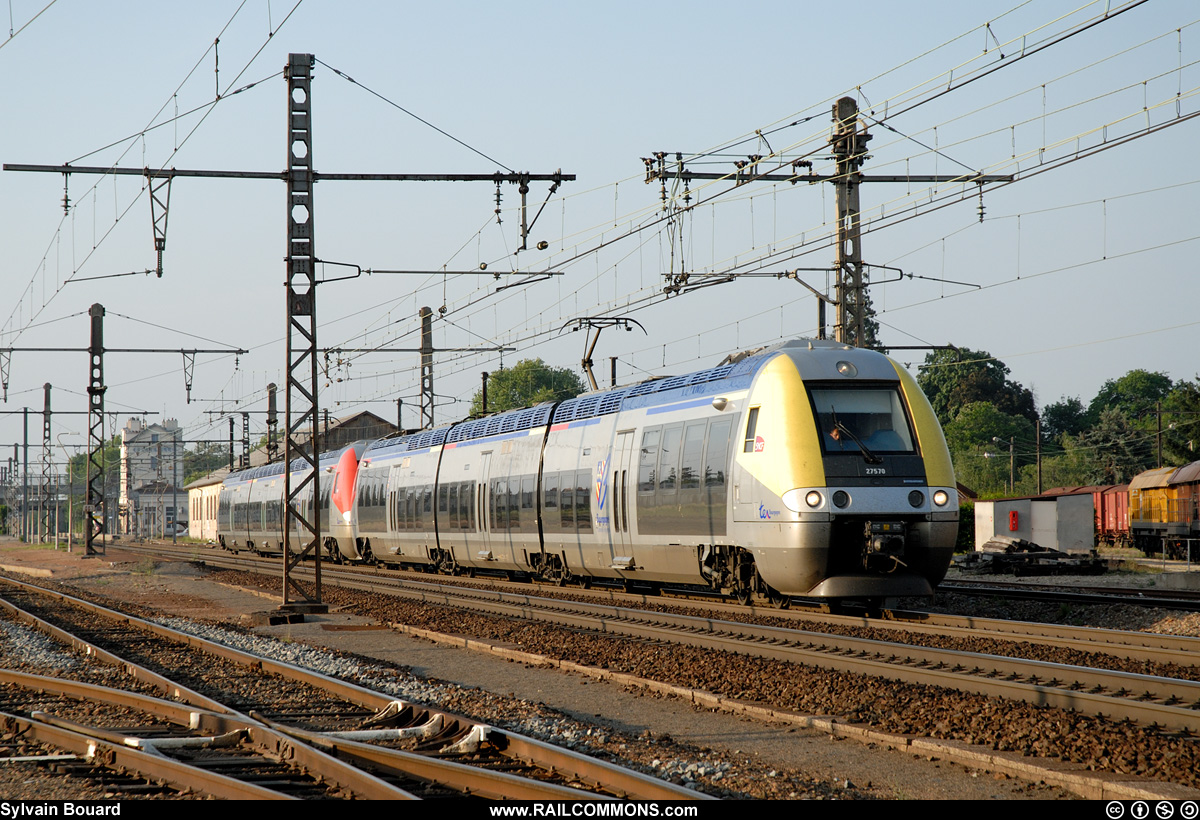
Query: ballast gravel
(721, 773)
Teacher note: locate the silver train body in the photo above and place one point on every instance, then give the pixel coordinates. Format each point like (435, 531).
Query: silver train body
(806, 469)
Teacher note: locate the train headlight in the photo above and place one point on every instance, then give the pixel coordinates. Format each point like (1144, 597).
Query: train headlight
(792, 499)
(346, 516)
(916, 498)
(840, 499)
(941, 497)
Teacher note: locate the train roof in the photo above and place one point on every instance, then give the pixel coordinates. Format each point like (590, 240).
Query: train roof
(1159, 477)
(735, 373)
(276, 467)
(1187, 474)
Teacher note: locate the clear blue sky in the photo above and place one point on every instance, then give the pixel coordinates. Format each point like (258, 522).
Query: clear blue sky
(1086, 270)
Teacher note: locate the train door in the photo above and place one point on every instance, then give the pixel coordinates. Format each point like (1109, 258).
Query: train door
(619, 492)
(484, 504)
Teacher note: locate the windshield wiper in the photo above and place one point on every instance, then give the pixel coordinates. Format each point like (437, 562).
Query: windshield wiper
(868, 456)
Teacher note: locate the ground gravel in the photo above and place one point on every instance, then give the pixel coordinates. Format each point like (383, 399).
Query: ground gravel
(901, 708)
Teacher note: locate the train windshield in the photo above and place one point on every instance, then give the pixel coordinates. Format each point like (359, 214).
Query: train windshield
(867, 420)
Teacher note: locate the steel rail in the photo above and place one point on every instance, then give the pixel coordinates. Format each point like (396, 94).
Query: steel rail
(1184, 600)
(485, 784)
(1037, 682)
(1150, 646)
(1141, 646)
(609, 777)
(267, 742)
(146, 764)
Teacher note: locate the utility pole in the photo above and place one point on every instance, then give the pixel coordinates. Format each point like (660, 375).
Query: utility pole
(848, 145)
(850, 149)
(272, 425)
(300, 397)
(47, 466)
(95, 508)
(426, 368)
(25, 484)
(1038, 435)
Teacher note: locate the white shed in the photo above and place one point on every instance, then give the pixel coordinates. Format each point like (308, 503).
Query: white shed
(1063, 522)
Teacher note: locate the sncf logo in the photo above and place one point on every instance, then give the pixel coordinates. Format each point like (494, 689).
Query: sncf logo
(601, 482)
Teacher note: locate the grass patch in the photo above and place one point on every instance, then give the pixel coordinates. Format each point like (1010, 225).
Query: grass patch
(146, 566)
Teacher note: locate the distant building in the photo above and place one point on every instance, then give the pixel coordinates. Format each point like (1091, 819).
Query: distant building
(151, 468)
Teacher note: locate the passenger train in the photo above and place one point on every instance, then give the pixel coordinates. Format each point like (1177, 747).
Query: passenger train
(806, 469)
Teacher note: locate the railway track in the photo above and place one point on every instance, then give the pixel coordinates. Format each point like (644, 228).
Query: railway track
(881, 696)
(1143, 698)
(251, 727)
(1146, 698)
(1142, 647)
(1183, 600)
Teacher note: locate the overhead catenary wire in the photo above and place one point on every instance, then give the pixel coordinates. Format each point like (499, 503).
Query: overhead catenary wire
(77, 264)
(486, 297)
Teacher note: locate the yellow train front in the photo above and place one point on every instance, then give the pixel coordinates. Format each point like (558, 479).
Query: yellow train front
(842, 486)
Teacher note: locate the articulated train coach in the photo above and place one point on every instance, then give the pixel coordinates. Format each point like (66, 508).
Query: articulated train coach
(805, 469)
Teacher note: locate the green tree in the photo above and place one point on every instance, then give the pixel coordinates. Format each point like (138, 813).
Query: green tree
(207, 456)
(1116, 449)
(953, 379)
(529, 382)
(1181, 424)
(1067, 416)
(1072, 467)
(980, 423)
(1134, 395)
(980, 461)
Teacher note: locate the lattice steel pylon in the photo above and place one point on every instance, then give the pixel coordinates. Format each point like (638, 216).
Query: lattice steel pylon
(426, 368)
(300, 403)
(47, 470)
(849, 145)
(94, 510)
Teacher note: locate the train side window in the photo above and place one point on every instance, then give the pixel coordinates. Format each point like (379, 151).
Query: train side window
(528, 491)
(583, 500)
(716, 458)
(514, 504)
(668, 459)
(500, 504)
(443, 504)
(647, 462)
(751, 429)
(550, 501)
(453, 518)
(692, 460)
(466, 504)
(567, 503)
